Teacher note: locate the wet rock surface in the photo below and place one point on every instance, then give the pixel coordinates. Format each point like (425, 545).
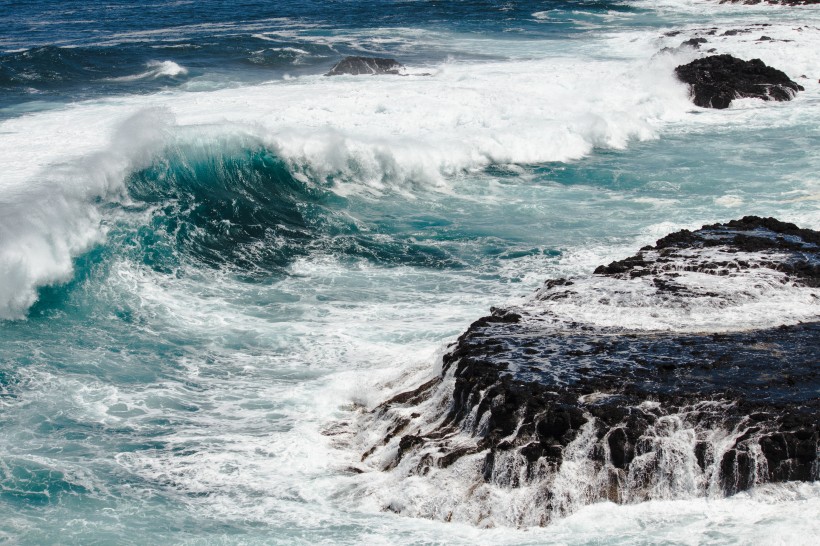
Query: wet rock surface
(644, 414)
(717, 80)
(787, 248)
(357, 66)
(535, 395)
(782, 2)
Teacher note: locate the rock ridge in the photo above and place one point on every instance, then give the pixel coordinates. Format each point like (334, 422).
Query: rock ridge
(569, 413)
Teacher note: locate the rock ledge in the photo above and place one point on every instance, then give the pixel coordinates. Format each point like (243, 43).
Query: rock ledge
(569, 413)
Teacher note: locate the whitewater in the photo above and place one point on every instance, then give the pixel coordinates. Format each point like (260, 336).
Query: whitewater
(213, 257)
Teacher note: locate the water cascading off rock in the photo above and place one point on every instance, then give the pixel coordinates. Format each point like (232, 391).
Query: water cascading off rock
(557, 413)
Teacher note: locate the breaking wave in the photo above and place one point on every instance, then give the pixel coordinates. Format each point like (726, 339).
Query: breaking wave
(155, 69)
(230, 202)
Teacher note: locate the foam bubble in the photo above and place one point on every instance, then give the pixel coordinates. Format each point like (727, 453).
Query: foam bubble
(729, 301)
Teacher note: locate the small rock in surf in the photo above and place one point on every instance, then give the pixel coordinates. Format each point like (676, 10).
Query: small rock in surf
(717, 80)
(357, 66)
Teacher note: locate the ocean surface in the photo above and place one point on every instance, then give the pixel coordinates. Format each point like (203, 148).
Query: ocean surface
(211, 253)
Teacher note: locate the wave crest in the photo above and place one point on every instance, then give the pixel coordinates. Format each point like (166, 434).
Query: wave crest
(50, 220)
(229, 202)
(155, 70)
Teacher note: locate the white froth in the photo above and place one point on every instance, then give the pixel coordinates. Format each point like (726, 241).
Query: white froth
(750, 299)
(155, 69)
(377, 134)
(458, 493)
(47, 217)
(250, 447)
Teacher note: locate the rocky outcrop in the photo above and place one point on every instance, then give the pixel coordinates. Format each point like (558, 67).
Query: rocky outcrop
(357, 66)
(573, 412)
(717, 80)
(783, 2)
(780, 246)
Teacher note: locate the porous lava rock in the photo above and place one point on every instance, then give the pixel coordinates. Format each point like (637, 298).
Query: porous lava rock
(717, 80)
(643, 413)
(781, 2)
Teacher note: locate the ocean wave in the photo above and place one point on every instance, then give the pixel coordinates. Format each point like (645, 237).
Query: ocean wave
(228, 202)
(347, 136)
(48, 65)
(155, 69)
(53, 68)
(278, 56)
(394, 134)
(178, 199)
(390, 134)
(370, 136)
(225, 202)
(47, 221)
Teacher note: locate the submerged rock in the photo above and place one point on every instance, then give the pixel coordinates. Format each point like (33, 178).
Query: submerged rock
(694, 42)
(717, 80)
(559, 410)
(365, 65)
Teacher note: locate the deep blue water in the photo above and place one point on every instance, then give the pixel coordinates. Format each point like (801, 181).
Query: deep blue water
(210, 253)
(54, 51)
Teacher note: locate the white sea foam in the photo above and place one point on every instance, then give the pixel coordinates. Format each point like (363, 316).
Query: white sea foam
(386, 134)
(250, 398)
(156, 69)
(373, 134)
(459, 493)
(48, 216)
(748, 300)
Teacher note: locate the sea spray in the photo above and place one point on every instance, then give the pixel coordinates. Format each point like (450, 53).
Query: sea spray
(54, 217)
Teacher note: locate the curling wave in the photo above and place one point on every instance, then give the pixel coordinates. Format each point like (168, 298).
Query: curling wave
(171, 199)
(54, 217)
(231, 202)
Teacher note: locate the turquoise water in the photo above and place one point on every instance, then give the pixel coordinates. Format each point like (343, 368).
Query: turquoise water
(208, 262)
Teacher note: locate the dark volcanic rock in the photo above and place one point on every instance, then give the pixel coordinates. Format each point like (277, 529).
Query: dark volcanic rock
(365, 65)
(792, 250)
(694, 42)
(783, 2)
(536, 395)
(579, 412)
(717, 80)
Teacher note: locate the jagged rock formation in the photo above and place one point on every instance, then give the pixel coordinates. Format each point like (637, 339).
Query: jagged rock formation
(365, 65)
(717, 80)
(784, 2)
(570, 412)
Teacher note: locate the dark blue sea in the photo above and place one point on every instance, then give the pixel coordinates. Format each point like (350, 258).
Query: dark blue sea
(212, 254)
